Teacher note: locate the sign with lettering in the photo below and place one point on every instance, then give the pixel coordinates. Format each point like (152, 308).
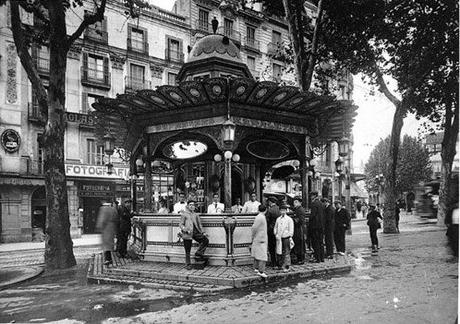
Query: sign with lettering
(95, 190)
(82, 119)
(95, 171)
(10, 140)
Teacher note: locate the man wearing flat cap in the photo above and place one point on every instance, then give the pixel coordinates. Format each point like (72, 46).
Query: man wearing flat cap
(299, 224)
(124, 228)
(273, 212)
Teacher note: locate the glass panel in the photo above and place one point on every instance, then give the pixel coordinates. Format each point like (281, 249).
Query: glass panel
(203, 18)
(185, 149)
(90, 151)
(228, 27)
(137, 39)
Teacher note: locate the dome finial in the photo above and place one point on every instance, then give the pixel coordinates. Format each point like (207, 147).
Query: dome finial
(215, 24)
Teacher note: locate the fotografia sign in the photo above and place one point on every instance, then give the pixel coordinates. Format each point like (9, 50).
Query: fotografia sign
(95, 171)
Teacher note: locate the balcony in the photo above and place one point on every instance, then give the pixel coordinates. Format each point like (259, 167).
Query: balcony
(174, 56)
(234, 35)
(97, 35)
(43, 65)
(138, 46)
(133, 84)
(95, 78)
(251, 43)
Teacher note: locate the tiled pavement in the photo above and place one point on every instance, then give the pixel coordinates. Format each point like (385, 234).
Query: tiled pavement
(210, 279)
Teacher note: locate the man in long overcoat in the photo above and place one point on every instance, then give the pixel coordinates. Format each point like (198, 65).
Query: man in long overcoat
(259, 239)
(299, 224)
(317, 227)
(107, 221)
(329, 224)
(342, 223)
(124, 228)
(271, 215)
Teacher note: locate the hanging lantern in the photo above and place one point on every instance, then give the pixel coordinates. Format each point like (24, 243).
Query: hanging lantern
(109, 144)
(229, 131)
(109, 168)
(344, 146)
(338, 165)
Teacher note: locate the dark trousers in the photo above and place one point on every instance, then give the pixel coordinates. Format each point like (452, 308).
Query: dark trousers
(309, 237)
(299, 247)
(122, 243)
(317, 241)
(202, 240)
(108, 256)
(329, 239)
(272, 249)
(339, 239)
(374, 239)
(286, 248)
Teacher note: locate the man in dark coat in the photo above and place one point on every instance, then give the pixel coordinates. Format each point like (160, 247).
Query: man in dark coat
(124, 228)
(272, 214)
(317, 227)
(299, 223)
(329, 224)
(342, 223)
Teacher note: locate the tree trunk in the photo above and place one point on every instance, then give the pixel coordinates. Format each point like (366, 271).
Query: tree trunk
(58, 244)
(448, 150)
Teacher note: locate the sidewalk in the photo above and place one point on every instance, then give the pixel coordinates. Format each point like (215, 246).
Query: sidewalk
(86, 240)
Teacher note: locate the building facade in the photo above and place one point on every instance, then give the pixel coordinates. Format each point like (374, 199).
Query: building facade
(117, 55)
(433, 144)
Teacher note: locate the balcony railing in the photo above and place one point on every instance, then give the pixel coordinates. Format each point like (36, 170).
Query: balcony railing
(139, 46)
(174, 56)
(96, 78)
(252, 43)
(42, 64)
(230, 33)
(136, 84)
(97, 34)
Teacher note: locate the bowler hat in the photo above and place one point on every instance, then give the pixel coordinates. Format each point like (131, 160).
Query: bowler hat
(272, 199)
(284, 206)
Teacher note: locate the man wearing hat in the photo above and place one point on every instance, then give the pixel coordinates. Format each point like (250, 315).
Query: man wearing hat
(124, 228)
(284, 229)
(299, 223)
(329, 224)
(317, 227)
(273, 212)
(342, 223)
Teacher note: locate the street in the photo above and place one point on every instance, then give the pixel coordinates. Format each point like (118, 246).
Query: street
(413, 279)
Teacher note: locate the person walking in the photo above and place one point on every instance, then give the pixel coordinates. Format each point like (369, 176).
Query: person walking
(329, 224)
(284, 229)
(216, 207)
(107, 221)
(259, 239)
(251, 206)
(272, 215)
(124, 228)
(299, 224)
(317, 227)
(342, 223)
(374, 225)
(190, 226)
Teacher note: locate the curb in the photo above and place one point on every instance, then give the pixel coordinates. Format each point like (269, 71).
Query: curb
(37, 270)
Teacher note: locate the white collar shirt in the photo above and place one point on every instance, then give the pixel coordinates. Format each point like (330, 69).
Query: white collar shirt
(216, 208)
(251, 207)
(179, 207)
(284, 227)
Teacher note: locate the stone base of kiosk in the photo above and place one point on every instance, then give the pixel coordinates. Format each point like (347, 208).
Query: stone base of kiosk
(229, 238)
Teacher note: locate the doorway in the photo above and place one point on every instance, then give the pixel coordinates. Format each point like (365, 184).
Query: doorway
(90, 210)
(38, 218)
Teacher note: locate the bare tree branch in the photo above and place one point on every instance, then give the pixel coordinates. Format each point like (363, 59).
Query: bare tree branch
(87, 20)
(26, 59)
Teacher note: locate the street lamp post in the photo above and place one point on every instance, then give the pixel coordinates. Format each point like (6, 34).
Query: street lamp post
(380, 182)
(339, 170)
(109, 147)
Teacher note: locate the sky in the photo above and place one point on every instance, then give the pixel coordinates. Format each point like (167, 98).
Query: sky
(374, 119)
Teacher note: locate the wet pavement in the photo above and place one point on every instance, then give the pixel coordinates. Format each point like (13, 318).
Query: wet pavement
(412, 279)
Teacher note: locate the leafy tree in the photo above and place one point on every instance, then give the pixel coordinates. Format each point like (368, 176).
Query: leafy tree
(413, 165)
(53, 33)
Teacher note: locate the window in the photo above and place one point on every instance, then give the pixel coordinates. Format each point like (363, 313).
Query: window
(42, 57)
(276, 37)
(228, 27)
(251, 63)
(174, 50)
(250, 34)
(277, 71)
(171, 78)
(137, 77)
(87, 101)
(94, 154)
(95, 67)
(40, 160)
(137, 39)
(203, 18)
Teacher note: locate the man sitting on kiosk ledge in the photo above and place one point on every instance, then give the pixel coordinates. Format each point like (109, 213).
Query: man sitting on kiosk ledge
(216, 207)
(180, 205)
(190, 225)
(251, 206)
